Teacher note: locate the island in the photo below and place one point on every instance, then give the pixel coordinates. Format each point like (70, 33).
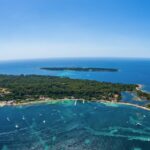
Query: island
(32, 88)
(80, 69)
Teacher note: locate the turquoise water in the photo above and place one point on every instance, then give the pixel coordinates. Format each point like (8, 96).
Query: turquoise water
(86, 126)
(81, 126)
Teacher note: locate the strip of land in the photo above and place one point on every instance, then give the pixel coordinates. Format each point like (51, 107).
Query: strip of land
(80, 69)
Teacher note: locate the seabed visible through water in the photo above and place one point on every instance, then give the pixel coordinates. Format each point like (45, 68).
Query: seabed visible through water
(69, 126)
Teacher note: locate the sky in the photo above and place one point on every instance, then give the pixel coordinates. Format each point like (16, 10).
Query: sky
(74, 28)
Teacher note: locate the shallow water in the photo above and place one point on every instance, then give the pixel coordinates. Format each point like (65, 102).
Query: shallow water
(69, 127)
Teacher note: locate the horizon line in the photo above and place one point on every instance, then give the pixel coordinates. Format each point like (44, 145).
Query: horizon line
(47, 58)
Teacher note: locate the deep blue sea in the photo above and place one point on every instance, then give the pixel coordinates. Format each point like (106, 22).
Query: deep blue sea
(82, 126)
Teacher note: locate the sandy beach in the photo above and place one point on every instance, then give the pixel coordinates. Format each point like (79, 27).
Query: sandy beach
(52, 101)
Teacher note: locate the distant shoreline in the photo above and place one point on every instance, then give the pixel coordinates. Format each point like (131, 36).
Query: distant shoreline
(84, 69)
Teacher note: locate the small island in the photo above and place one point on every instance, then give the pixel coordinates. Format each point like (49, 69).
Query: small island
(80, 69)
(26, 89)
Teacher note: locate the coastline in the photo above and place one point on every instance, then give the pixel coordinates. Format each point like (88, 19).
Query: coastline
(52, 101)
(140, 87)
(123, 103)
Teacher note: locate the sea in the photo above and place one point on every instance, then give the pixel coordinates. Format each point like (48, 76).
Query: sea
(78, 125)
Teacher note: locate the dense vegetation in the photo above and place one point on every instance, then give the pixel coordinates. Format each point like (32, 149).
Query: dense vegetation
(80, 69)
(32, 87)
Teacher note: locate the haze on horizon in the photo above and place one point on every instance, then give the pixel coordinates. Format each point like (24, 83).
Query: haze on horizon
(74, 28)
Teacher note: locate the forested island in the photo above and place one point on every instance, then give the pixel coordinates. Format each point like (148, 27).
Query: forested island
(80, 69)
(27, 88)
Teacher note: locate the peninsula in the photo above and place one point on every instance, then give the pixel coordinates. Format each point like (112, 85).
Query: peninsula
(80, 69)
